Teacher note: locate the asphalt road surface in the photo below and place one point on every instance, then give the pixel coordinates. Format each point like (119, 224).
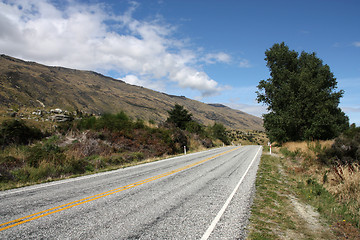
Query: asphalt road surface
(204, 195)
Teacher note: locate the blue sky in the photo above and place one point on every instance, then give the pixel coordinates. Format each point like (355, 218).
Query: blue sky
(212, 51)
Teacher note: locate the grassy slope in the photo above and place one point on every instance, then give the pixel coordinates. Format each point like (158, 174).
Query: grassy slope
(27, 84)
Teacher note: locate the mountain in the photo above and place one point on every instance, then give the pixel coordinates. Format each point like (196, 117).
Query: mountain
(38, 86)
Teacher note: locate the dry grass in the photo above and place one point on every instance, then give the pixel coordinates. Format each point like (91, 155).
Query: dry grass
(344, 183)
(341, 182)
(306, 147)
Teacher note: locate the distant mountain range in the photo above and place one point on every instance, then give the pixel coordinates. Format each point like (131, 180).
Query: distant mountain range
(38, 86)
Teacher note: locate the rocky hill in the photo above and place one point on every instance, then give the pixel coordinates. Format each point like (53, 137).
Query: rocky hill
(32, 85)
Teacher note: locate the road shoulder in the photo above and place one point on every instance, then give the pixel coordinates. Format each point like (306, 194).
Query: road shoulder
(277, 212)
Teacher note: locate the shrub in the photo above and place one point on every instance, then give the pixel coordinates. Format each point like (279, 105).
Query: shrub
(114, 122)
(134, 157)
(86, 123)
(47, 152)
(219, 132)
(179, 140)
(116, 159)
(345, 150)
(22, 174)
(17, 132)
(139, 124)
(111, 122)
(76, 166)
(43, 171)
(291, 154)
(195, 127)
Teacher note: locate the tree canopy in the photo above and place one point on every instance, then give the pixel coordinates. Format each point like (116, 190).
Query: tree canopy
(219, 132)
(179, 116)
(301, 97)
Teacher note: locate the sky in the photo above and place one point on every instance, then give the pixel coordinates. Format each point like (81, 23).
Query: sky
(208, 50)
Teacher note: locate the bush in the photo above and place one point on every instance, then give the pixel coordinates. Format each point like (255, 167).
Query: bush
(87, 123)
(17, 132)
(291, 154)
(111, 122)
(134, 157)
(219, 132)
(179, 139)
(47, 152)
(76, 166)
(195, 127)
(345, 150)
(139, 124)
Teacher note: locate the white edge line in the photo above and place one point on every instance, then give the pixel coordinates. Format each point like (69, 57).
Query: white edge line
(221, 212)
(69, 180)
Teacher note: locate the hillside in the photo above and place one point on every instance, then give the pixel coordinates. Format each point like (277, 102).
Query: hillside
(32, 85)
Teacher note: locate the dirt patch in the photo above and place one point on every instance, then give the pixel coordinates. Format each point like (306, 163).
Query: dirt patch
(307, 213)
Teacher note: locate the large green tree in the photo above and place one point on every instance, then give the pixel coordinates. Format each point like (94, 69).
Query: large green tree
(301, 97)
(179, 116)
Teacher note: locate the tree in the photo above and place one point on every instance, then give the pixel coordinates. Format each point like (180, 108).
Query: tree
(301, 97)
(179, 116)
(219, 132)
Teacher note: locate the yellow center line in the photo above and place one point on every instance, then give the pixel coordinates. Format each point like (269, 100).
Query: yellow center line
(49, 211)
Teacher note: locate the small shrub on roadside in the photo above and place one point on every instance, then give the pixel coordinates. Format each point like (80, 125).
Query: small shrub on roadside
(195, 127)
(218, 131)
(47, 152)
(291, 154)
(17, 132)
(76, 166)
(345, 150)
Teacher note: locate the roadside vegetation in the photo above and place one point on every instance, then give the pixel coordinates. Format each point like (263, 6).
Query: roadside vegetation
(309, 190)
(91, 144)
(248, 137)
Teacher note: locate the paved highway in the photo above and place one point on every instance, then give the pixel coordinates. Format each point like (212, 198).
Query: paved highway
(204, 195)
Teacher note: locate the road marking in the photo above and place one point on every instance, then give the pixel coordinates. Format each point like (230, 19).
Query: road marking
(63, 207)
(222, 210)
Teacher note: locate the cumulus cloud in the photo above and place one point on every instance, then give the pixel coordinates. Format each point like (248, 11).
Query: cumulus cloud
(212, 58)
(134, 80)
(356, 44)
(90, 37)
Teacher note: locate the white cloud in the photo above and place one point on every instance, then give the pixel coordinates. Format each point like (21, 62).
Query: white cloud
(212, 58)
(134, 80)
(356, 44)
(244, 63)
(89, 37)
(190, 77)
(256, 110)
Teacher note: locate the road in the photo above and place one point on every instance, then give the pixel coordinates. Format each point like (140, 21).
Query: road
(204, 195)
